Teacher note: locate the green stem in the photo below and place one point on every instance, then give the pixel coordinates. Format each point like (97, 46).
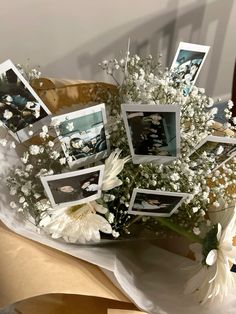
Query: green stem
(181, 231)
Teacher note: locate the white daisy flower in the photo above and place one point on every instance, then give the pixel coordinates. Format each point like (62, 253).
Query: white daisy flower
(77, 224)
(34, 149)
(21, 199)
(29, 167)
(50, 143)
(13, 205)
(175, 176)
(8, 98)
(113, 166)
(115, 234)
(3, 142)
(7, 114)
(45, 129)
(43, 135)
(62, 161)
(214, 278)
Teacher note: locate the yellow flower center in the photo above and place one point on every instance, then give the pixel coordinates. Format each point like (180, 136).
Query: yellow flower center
(80, 211)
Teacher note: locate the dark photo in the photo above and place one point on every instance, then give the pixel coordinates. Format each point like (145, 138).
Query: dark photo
(19, 105)
(75, 188)
(152, 132)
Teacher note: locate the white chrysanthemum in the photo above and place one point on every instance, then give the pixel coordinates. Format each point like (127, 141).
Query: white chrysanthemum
(77, 225)
(215, 278)
(113, 166)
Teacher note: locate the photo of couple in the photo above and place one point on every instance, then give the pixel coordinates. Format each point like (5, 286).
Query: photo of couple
(74, 187)
(155, 203)
(71, 189)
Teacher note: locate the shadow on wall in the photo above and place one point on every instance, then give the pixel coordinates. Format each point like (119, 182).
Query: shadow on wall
(159, 34)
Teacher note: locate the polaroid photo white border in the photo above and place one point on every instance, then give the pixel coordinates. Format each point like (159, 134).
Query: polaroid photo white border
(137, 159)
(23, 134)
(77, 114)
(191, 47)
(217, 139)
(155, 192)
(46, 179)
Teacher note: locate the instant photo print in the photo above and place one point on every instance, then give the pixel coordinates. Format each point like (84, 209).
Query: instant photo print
(221, 148)
(155, 203)
(152, 132)
(187, 63)
(76, 187)
(82, 135)
(20, 106)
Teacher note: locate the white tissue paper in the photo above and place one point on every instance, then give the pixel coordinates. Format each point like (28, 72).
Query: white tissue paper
(150, 276)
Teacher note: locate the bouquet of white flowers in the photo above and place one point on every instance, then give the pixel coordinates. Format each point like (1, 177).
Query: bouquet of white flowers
(150, 164)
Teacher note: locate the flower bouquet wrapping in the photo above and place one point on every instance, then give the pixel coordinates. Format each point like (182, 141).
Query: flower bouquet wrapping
(150, 163)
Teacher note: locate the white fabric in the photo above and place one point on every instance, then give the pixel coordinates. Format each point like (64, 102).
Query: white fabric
(151, 277)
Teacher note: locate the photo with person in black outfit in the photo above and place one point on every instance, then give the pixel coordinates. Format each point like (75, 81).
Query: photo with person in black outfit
(18, 106)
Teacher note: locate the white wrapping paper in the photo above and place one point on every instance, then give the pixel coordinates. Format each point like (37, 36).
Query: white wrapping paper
(151, 277)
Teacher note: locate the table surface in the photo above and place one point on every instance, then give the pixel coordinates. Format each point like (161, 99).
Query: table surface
(29, 269)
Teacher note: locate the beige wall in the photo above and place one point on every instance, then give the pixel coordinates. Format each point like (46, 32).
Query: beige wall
(69, 38)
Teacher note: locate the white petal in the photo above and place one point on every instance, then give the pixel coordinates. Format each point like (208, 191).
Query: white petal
(219, 229)
(111, 184)
(99, 208)
(211, 257)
